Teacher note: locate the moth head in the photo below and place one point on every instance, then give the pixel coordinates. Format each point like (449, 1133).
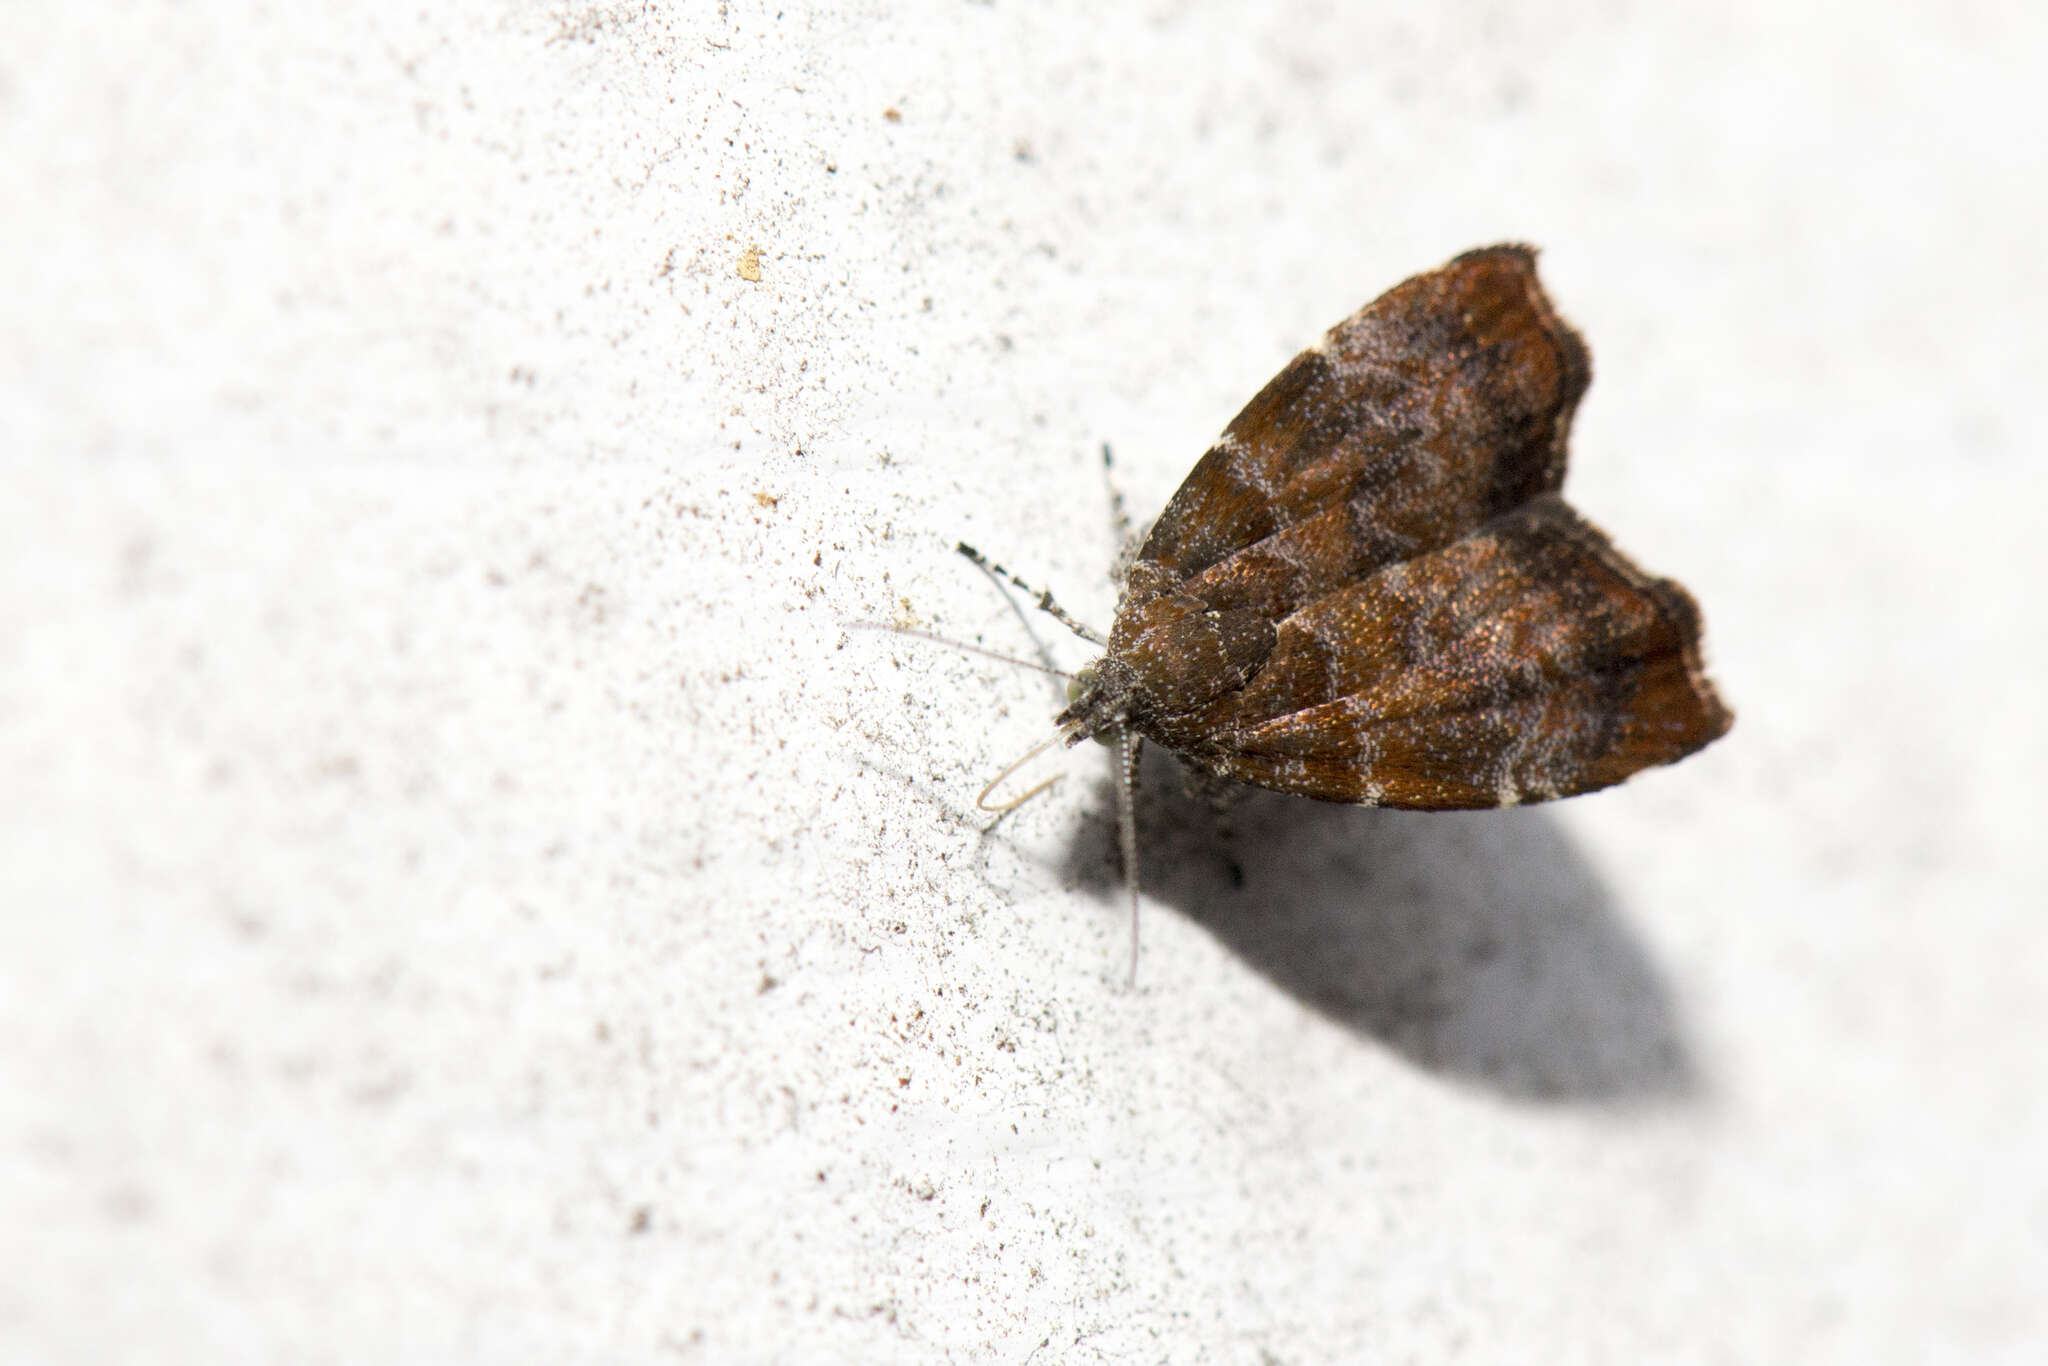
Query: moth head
(1094, 707)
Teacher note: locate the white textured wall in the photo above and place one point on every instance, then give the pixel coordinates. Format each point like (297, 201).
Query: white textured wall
(466, 899)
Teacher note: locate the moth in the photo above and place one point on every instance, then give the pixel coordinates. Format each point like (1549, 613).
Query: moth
(1371, 590)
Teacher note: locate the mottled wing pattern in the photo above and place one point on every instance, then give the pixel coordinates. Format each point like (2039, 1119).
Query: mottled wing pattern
(1439, 405)
(1527, 661)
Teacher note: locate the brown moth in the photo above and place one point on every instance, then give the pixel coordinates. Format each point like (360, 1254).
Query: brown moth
(1370, 589)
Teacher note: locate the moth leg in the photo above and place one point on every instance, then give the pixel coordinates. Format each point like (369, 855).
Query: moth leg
(1221, 796)
(1044, 599)
(1128, 749)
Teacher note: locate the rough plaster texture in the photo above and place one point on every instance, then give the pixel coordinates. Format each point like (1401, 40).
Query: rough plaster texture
(466, 897)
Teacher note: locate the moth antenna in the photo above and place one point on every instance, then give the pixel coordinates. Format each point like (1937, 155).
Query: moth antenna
(962, 645)
(1129, 540)
(1041, 747)
(1127, 831)
(1045, 602)
(1119, 515)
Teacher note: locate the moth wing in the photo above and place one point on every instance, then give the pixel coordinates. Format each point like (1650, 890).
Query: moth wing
(1528, 661)
(1438, 406)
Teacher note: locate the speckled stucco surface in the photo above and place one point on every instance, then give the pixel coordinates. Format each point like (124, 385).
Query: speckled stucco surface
(465, 897)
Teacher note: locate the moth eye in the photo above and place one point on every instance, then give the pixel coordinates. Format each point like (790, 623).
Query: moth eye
(1079, 686)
